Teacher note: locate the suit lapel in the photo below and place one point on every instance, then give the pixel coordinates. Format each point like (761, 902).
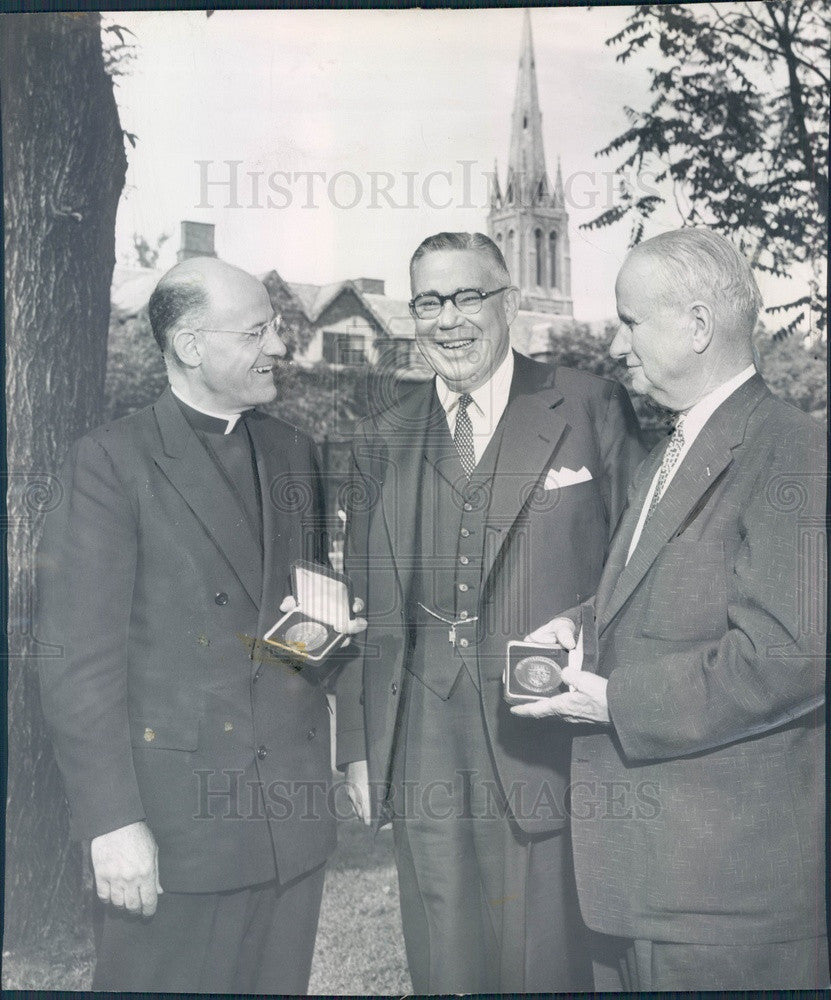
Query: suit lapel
(709, 456)
(622, 538)
(191, 471)
(532, 431)
(273, 469)
(418, 418)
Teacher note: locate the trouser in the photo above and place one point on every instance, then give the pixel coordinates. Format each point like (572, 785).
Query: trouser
(485, 907)
(254, 940)
(637, 965)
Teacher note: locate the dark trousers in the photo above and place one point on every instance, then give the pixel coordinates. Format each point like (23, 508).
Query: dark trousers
(254, 940)
(636, 965)
(484, 906)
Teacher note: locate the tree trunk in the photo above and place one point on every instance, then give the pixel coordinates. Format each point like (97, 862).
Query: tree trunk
(63, 169)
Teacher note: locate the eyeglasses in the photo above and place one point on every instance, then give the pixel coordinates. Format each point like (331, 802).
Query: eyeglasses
(256, 336)
(467, 300)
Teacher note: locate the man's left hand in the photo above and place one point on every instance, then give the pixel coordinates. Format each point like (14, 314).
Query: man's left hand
(352, 627)
(584, 702)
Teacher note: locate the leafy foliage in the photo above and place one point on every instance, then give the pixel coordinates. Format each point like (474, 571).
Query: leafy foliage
(737, 131)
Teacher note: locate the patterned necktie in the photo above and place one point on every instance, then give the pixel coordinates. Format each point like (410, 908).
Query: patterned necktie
(463, 435)
(670, 460)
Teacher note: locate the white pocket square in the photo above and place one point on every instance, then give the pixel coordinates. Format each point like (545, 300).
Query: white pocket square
(558, 478)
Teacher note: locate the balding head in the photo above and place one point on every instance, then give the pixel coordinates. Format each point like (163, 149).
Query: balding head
(688, 303)
(697, 264)
(186, 293)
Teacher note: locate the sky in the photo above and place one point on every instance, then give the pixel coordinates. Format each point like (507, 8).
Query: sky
(367, 130)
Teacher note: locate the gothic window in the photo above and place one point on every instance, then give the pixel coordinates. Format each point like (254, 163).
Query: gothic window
(552, 258)
(509, 250)
(538, 257)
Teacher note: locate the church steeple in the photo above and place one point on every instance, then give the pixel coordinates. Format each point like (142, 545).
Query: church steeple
(526, 162)
(527, 218)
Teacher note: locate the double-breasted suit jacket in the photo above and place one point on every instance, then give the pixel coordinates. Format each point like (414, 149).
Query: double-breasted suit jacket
(698, 815)
(540, 546)
(154, 586)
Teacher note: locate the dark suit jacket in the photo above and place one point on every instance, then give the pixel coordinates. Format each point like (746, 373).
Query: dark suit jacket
(150, 581)
(540, 546)
(698, 816)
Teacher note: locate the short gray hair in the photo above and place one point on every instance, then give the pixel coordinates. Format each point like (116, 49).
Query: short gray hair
(464, 241)
(705, 265)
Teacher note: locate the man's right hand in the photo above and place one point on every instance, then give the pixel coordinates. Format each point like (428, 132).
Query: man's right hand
(357, 788)
(126, 866)
(558, 632)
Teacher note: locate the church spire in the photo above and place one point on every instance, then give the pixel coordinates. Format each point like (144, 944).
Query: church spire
(526, 162)
(527, 218)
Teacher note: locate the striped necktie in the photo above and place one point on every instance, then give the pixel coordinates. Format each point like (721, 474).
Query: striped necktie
(463, 435)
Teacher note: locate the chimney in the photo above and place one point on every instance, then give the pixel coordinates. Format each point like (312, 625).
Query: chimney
(196, 240)
(375, 286)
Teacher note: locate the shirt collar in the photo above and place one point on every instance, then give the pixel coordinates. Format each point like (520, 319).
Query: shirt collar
(697, 416)
(490, 398)
(204, 420)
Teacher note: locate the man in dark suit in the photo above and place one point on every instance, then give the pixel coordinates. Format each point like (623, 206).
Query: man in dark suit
(697, 783)
(196, 764)
(475, 498)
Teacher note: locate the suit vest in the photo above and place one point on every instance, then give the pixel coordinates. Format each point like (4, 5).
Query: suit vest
(447, 579)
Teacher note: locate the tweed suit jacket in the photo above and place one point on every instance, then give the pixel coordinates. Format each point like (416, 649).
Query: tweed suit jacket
(153, 586)
(697, 816)
(540, 545)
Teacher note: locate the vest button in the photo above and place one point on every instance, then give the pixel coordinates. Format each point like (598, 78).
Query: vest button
(465, 533)
(463, 614)
(221, 598)
(262, 752)
(310, 735)
(468, 507)
(464, 643)
(464, 588)
(394, 688)
(464, 560)
(256, 676)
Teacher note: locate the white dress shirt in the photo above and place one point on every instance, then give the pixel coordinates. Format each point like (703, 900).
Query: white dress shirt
(489, 402)
(694, 420)
(229, 418)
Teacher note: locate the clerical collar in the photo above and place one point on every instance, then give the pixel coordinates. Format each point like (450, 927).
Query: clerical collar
(203, 420)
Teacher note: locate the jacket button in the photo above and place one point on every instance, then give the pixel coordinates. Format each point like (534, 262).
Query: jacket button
(229, 727)
(221, 598)
(149, 735)
(394, 688)
(262, 752)
(310, 735)
(256, 676)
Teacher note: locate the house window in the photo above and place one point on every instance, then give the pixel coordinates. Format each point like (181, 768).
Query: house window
(343, 348)
(398, 354)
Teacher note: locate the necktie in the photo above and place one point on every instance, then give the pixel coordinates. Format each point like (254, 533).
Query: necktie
(670, 460)
(463, 435)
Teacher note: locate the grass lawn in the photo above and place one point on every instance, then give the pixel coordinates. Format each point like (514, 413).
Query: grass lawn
(359, 944)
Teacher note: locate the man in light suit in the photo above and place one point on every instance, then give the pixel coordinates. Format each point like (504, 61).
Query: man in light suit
(697, 781)
(196, 764)
(475, 498)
